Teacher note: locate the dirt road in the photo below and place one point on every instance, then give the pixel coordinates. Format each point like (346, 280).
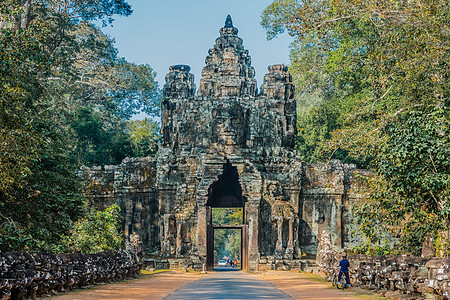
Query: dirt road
(306, 286)
(159, 285)
(148, 286)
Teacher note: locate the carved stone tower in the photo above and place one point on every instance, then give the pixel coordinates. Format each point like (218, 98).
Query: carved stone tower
(229, 128)
(229, 146)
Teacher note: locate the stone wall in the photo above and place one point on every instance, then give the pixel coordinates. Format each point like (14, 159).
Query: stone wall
(327, 195)
(30, 275)
(396, 277)
(132, 186)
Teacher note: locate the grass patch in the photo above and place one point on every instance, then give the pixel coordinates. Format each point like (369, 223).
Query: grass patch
(146, 272)
(364, 294)
(313, 277)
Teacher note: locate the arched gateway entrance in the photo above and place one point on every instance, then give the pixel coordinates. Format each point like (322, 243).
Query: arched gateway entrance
(229, 145)
(226, 192)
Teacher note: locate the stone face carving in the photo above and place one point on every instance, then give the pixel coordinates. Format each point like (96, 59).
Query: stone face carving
(179, 82)
(278, 83)
(228, 146)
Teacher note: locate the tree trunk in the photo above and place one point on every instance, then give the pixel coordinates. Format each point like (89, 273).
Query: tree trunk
(28, 18)
(18, 22)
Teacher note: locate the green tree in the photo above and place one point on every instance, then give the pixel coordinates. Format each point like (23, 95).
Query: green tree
(96, 143)
(227, 242)
(386, 63)
(227, 216)
(97, 232)
(233, 244)
(145, 137)
(102, 90)
(412, 191)
(48, 63)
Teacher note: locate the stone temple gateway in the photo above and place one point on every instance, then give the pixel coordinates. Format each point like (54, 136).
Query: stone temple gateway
(229, 146)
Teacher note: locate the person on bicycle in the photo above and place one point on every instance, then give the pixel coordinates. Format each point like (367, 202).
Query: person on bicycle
(344, 264)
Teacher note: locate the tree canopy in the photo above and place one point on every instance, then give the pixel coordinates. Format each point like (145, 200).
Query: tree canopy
(66, 99)
(372, 79)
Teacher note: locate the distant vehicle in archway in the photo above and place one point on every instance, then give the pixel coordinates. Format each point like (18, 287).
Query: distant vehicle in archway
(222, 263)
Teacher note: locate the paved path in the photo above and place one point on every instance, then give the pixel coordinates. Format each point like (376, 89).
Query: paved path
(219, 285)
(148, 287)
(228, 285)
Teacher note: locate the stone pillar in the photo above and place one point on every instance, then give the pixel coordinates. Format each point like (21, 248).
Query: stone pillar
(165, 244)
(253, 222)
(297, 249)
(339, 230)
(179, 237)
(279, 245)
(204, 217)
(290, 245)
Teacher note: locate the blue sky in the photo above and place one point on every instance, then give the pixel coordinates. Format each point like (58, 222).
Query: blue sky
(169, 32)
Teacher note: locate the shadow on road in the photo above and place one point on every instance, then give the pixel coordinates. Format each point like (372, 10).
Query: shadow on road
(220, 269)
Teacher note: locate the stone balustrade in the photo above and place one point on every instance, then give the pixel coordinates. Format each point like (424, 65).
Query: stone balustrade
(25, 275)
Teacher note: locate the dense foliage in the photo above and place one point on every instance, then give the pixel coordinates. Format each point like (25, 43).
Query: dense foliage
(145, 137)
(66, 99)
(372, 79)
(97, 232)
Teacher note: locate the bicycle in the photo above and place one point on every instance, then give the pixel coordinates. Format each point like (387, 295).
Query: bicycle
(334, 280)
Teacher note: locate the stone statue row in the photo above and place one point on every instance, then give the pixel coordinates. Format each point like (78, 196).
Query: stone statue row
(396, 277)
(27, 275)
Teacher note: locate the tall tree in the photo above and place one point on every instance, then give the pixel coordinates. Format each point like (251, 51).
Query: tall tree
(145, 137)
(99, 92)
(387, 63)
(63, 89)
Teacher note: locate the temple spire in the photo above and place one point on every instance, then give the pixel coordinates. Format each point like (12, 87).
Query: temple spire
(228, 22)
(228, 71)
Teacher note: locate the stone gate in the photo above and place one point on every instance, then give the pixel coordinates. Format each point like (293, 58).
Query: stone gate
(229, 146)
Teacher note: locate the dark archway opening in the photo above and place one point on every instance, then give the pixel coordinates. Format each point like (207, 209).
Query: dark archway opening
(226, 191)
(224, 194)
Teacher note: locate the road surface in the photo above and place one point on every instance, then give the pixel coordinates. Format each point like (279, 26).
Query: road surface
(219, 285)
(228, 285)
